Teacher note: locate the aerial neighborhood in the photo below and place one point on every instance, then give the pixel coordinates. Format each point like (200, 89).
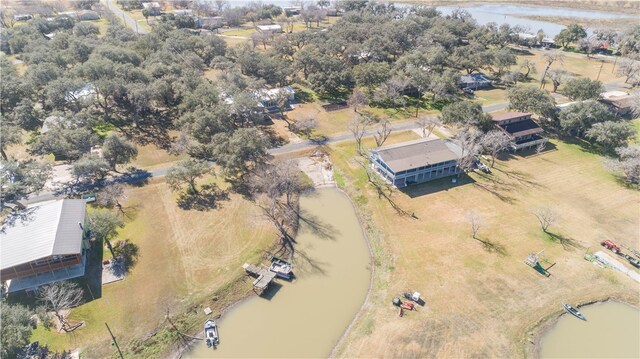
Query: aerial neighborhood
(349, 178)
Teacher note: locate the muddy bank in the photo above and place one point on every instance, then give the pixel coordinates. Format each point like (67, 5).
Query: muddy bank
(533, 340)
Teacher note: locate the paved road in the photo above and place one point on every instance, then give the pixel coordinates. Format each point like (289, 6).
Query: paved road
(292, 147)
(110, 4)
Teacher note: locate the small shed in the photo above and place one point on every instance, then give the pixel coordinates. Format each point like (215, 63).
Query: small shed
(272, 28)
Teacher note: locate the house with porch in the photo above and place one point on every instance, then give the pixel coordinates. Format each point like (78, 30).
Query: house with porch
(475, 81)
(416, 161)
(47, 246)
(268, 97)
(523, 130)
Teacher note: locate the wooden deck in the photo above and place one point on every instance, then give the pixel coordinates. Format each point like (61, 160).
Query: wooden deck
(264, 276)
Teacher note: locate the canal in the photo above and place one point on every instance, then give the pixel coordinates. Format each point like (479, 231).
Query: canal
(304, 318)
(612, 330)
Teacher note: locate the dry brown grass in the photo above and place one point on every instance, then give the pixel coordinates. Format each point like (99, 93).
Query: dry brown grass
(481, 300)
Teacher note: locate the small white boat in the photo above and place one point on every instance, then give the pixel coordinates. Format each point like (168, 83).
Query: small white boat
(281, 268)
(211, 333)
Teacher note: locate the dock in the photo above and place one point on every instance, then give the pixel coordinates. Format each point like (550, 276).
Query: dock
(264, 276)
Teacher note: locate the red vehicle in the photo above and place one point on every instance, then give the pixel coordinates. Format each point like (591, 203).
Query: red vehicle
(611, 246)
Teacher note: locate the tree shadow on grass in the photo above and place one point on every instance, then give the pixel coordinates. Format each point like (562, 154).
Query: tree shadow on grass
(567, 243)
(497, 192)
(492, 247)
(129, 252)
(204, 200)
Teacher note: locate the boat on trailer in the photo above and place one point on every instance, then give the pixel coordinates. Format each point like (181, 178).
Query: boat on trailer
(281, 268)
(574, 311)
(211, 333)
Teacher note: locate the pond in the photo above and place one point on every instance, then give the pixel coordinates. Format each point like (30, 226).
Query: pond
(612, 330)
(504, 13)
(306, 317)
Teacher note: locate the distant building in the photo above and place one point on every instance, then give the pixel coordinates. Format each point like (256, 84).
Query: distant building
(524, 131)
(475, 81)
(22, 17)
(292, 10)
(548, 43)
(209, 22)
(152, 7)
(87, 15)
(332, 12)
(47, 247)
(267, 98)
(185, 12)
(272, 28)
(418, 161)
(70, 14)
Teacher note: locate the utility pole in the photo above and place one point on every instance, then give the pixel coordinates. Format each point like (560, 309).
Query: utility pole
(614, 64)
(114, 342)
(599, 71)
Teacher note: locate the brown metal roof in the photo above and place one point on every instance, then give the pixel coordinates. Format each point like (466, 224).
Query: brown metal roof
(507, 115)
(418, 153)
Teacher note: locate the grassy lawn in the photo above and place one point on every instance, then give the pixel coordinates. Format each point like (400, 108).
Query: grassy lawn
(491, 97)
(481, 300)
(185, 256)
(150, 156)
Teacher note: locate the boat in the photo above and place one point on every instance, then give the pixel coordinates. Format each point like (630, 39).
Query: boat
(211, 333)
(281, 268)
(574, 311)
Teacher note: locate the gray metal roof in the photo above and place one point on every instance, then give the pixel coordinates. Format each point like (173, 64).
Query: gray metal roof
(418, 153)
(51, 228)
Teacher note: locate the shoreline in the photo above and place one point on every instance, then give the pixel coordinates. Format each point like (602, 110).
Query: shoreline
(372, 262)
(533, 337)
(603, 6)
(180, 352)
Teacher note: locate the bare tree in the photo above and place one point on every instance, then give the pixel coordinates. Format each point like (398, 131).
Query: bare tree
(383, 132)
(469, 143)
(540, 147)
(282, 216)
(357, 99)
(549, 59)
(358, 127)
(111, 195)
(428, 124)
(557, 77)
(475, 221)
(59, 296)
(629, 68)
(546, 216)
(305, 126)
(495, 142)
(529, 67)
(280, 178)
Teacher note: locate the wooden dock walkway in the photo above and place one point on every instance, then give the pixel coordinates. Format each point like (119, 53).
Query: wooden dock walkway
(264, 276)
